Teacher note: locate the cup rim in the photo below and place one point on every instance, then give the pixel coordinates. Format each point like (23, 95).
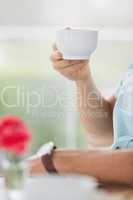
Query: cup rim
(80, 29)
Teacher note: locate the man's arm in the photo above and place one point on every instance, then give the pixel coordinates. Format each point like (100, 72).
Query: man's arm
(106, 166)
(95, 110)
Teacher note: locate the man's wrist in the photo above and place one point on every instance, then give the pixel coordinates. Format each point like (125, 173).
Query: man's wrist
(59, 161)
(63, 161)
(84, 81)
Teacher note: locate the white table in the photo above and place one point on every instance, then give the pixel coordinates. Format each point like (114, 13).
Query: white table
(68, 188)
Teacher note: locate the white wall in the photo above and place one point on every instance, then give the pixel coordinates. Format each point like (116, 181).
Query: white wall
(107, 13)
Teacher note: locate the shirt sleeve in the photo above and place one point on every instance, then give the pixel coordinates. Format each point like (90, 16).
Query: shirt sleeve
(124, 142)
(117, 90)
(120, 83)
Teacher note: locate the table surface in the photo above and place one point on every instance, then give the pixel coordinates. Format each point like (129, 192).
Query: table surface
(111, 190)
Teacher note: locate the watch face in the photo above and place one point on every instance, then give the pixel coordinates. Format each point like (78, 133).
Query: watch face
(45, 149)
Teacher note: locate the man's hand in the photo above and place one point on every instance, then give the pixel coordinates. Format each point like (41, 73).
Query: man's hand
(36, 167)
(71, 69)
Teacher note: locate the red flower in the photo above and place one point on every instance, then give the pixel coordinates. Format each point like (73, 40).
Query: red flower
(14, 135)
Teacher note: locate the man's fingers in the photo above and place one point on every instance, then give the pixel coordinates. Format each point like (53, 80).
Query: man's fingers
(56, 56)
(63, 64)
(70, 70)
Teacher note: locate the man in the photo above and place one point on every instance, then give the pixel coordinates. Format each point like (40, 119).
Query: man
(112, 126)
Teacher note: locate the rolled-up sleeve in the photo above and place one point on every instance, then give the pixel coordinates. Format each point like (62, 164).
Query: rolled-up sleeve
(125, 142)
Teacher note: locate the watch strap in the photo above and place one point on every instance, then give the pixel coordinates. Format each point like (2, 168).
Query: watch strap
(47, 161)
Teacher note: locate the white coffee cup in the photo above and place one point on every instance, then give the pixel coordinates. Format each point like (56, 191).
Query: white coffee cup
(76, 44)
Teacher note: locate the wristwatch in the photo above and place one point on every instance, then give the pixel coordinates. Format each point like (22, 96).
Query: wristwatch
(47, 160)
(46, 154)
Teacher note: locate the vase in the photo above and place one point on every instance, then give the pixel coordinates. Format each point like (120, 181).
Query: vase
(15, 178)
